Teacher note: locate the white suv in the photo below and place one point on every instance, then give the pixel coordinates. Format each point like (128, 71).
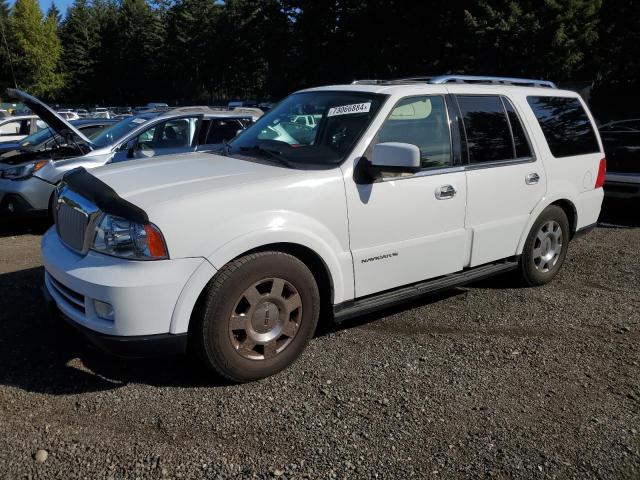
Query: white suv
(401, 188)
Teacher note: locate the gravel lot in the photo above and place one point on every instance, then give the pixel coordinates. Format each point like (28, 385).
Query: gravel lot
(488, 380)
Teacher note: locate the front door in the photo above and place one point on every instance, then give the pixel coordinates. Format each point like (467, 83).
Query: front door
(163, 138)
(404, 229)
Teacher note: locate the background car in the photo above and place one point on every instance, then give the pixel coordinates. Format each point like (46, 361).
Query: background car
(27, 185)
(18, 127)
(47, 138)
(68, 114)
(621, 140)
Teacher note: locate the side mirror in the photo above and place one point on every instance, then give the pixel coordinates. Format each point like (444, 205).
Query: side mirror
(390, 158)
(396, 157)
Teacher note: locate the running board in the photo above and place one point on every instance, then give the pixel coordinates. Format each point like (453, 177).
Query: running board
(371, 303)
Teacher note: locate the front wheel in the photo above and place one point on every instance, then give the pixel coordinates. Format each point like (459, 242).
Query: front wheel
(546, 247)
(256, 316)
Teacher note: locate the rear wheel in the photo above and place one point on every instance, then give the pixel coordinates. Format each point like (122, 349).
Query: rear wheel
(546, 247)
(256, 316)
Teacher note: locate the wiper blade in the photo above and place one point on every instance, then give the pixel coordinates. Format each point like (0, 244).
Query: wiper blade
(268, 153)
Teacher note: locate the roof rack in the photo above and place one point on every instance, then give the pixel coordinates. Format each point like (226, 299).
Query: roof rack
(525, 82)
(477, 79)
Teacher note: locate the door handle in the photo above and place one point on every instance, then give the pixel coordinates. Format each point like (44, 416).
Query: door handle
(532, 178)
(445, 192)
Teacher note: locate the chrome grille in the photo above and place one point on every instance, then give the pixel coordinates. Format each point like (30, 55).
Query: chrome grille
(75, 219)
(71, 226)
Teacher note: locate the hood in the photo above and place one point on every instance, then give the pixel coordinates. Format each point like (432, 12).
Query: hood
(148, 183)
(47, 114)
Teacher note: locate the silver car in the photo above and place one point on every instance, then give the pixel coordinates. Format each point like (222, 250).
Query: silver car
(28, 187)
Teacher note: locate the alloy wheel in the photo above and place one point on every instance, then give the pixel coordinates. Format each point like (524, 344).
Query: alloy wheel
(265, 319)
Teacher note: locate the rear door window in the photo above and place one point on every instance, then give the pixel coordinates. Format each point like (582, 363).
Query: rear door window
(486, 127)
(565, 126)
(520, 141)
(223, 130)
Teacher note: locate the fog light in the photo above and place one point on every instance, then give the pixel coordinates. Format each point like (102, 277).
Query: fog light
(104, 310)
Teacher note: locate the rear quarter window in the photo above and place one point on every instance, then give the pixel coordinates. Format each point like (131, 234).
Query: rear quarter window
(565, 125)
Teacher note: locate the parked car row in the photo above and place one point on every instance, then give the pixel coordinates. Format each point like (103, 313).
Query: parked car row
(341, 199)
(31, 169)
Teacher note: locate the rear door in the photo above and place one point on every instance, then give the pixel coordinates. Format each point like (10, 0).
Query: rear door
(505, 180)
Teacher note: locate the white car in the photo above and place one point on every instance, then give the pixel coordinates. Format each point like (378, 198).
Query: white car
(68, 114)
(402, 188)
(13, 129)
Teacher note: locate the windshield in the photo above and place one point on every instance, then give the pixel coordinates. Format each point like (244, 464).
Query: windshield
(315, 128)
(117, 131)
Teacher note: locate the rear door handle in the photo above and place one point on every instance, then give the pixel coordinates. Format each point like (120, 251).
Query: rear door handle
(532, 178)
(445, 192)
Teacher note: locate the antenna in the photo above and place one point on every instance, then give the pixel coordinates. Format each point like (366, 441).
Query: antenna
(6, 46)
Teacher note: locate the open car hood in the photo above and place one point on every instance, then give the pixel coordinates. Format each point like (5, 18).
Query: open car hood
(47, 114)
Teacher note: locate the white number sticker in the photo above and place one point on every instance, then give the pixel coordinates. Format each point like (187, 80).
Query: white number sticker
(347, 109)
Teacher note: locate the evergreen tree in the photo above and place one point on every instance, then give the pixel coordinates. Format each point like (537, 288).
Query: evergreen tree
(189, 50)
(550, 39)
(140, 42)
(619, 51)
(4, 9)
(36, 49)
(54, 12)
(6, 68)
(80, 38)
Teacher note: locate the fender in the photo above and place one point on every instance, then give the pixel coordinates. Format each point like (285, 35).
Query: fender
(293, 228)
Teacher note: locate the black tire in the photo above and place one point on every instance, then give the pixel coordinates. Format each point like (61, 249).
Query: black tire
(531, 271)
(211, 337)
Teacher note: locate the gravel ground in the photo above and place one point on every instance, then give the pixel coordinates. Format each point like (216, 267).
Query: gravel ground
(488, 380)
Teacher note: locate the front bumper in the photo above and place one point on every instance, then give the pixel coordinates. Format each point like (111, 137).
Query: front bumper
(25, 196)
(622, 185)
(143, 296)
(139, 346)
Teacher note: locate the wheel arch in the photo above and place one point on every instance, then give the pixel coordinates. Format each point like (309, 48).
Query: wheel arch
(564, 201)
(194, 289)
(570, 211)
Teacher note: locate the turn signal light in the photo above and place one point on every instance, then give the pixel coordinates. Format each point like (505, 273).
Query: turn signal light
(155, 241)
(602, 170)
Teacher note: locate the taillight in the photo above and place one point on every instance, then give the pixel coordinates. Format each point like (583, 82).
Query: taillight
(602, 170)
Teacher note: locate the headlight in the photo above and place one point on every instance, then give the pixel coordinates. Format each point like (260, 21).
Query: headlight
(123, 238)
(23, 171)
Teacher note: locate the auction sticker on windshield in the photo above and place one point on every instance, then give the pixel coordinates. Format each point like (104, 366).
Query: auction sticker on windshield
(347, 109)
